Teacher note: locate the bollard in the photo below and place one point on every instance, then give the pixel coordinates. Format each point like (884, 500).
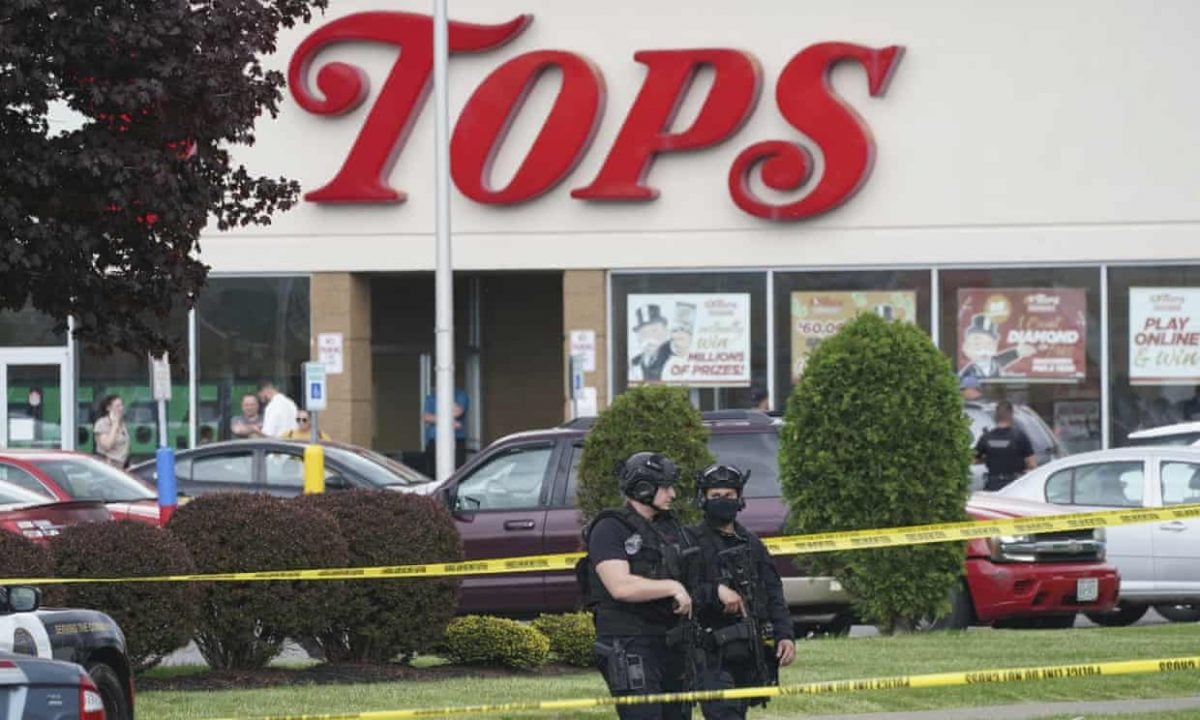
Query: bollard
(168, 495)
(314, 470)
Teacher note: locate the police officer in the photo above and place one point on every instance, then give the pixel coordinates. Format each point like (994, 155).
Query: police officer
(739, 600)
(1005, 449)
(633, 583)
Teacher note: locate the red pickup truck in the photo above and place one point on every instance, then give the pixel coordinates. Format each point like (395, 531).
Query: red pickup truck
(517, 497)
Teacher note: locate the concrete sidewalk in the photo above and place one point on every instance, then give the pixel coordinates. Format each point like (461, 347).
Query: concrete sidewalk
(1029, 711)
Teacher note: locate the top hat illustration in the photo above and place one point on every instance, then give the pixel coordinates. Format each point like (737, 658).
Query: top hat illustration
(981, 323)
(647, 315)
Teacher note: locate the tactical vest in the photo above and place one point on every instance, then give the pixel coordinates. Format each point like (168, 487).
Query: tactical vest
(650, 555)
(713, 544)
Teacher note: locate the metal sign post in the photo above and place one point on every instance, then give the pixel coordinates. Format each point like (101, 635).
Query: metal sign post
(160, 389)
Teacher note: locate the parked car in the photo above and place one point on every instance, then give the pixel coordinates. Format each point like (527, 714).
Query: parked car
(1159, 561)
(1046, 446)
(81, 639)
(36, 689)
(277, 467)
(1185, 433)
(517, 497)
(75, 476)
(38, 518)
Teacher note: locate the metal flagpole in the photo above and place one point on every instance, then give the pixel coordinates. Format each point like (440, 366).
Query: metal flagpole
(444, 274)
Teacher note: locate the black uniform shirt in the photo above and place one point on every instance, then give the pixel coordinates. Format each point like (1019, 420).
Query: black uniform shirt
(1004, 450)
(612, 539)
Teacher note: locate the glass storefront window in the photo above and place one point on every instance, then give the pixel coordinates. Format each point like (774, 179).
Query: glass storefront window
(1032, 336)
(810, 306)
(704, 331)
(249, 329)
(1154, 346)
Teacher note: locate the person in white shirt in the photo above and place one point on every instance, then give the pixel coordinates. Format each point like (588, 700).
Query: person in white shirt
(280, 414)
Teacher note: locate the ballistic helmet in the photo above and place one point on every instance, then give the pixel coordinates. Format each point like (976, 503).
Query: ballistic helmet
(643, 473)
(720, 476)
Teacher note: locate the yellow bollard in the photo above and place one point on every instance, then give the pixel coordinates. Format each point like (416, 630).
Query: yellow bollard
(314, 469)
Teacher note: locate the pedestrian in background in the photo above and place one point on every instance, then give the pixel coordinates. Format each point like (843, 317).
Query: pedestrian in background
(112, 436)
(459, 413)
(279, 415)
(303, 429)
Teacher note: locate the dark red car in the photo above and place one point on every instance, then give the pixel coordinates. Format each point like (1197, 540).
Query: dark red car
(72, 476)
(34, 516)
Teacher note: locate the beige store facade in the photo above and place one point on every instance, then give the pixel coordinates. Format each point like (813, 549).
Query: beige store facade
(765, 154)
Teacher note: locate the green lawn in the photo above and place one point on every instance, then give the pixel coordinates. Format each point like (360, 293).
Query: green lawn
(818, 660)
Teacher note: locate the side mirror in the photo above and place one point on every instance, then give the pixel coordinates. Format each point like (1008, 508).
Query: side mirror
(19, 599)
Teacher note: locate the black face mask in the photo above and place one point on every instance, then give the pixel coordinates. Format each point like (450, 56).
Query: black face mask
(721, 510)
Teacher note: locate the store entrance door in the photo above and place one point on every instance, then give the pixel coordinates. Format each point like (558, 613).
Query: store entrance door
(37, 398)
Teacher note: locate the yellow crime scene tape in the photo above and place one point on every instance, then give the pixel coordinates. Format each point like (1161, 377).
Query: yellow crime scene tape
(931, 680)
(785, 545)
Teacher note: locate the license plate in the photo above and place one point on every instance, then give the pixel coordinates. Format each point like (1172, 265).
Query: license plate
(1087, 589)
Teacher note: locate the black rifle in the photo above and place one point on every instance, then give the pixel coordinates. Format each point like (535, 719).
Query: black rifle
(740, 575)
(687, 635)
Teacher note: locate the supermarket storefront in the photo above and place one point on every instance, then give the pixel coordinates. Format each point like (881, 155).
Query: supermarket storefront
(697, 193)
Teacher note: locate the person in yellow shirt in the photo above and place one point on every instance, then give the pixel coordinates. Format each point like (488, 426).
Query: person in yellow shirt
(303, 429)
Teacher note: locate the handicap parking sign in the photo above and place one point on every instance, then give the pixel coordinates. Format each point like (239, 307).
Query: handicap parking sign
(314, 386)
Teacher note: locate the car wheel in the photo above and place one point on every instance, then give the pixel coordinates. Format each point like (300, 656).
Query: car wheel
(959, 618)
(1120, 616)
(1179, 613)
(112, 692)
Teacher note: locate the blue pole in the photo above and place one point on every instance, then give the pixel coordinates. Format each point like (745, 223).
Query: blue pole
(168, 495)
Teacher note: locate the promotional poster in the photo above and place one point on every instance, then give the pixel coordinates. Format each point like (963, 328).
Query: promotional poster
(1164, 336)
(700, 340)
(817, 315)
(1022, 334)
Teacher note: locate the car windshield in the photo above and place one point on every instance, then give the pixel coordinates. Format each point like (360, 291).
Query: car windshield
(379, 469)
(84, 478)
(757, 452)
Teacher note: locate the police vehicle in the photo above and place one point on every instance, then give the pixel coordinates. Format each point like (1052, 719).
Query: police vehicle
(87, 638)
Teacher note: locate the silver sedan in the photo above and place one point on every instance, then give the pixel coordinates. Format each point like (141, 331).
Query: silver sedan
(1159, 562)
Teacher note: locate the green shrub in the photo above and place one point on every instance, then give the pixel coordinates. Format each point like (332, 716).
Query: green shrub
(653, 418)
(21, 557)
(492, 641)
(571, 637)
(157, 618)
(243, 625)
(875, 436)
(381, 619)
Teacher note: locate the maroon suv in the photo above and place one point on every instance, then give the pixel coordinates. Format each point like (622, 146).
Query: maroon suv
(517, 498)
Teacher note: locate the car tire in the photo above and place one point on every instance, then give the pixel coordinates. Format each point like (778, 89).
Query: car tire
(1179, 613)
(960, 616)
(112, 691)
(1120, 616)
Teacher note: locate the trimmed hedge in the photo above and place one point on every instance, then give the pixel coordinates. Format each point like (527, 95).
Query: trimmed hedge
(378, 620)
(571, 637)
(492, 641)
(157, 618)
(243, 625)
(653, 418)
(22, 557)
(875, 436)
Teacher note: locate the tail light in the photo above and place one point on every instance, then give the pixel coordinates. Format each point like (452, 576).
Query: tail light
(91, 705)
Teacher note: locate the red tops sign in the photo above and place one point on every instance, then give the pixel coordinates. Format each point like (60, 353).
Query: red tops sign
(803, 94)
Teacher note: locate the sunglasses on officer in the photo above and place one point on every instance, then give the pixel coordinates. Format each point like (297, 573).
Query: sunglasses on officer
(302, 419)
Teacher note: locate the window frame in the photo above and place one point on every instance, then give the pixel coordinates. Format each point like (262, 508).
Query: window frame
(545, 493)
(1073, 470)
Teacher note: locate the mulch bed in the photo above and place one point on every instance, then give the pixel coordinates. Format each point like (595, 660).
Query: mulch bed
(336, 674)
